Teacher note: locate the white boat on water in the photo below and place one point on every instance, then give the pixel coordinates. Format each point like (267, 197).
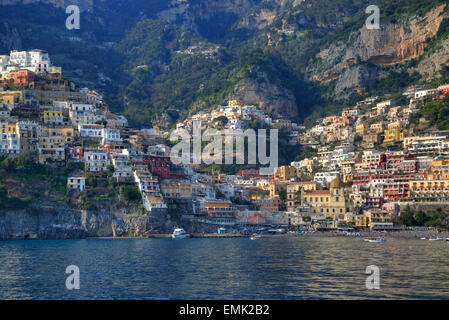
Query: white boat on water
(373, 240)
(255, 236)
(179, 233)
(436, 239)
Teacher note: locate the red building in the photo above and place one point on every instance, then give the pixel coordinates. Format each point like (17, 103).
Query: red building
(77, 153)
(374, 202)
(159, 165)
(395, 160)
(250, 173)
(366, 177)
(22, 76)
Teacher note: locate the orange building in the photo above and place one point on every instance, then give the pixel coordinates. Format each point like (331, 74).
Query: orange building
(22, 76)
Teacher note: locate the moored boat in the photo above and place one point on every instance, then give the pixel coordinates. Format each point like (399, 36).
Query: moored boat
(436, 239)
(374, 239)
(179, 233)
(255, 236)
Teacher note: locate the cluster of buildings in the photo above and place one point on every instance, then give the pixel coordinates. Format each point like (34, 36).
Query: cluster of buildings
(367, 161)
(22, 67)
(237, 115)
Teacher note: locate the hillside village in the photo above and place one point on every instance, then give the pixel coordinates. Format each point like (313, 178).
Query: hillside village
(359, 169)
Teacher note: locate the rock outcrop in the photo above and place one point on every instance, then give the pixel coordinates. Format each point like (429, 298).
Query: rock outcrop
(395, 43)
(65, 223)
(390, 45)
(60, 221)
(266, 95)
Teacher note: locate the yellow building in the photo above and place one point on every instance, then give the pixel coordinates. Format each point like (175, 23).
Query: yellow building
(373, 219)
(176, 189)
(361, 128)
(54, 116)
(394, 133)
(51, 148)
(436, 185)
(11, 97)
(378, 127)
(439, 169)
(66, 132)
(330, 203)
(219, 211)
(282, 124)
(8, 125)
(294, 190)
(29, 133)
(285, 173)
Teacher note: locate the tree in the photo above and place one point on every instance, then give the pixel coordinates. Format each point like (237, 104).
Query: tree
(420, 218)
(406, 217)
(283, 194)
(221, 119)
(131, 194)
(110, 170)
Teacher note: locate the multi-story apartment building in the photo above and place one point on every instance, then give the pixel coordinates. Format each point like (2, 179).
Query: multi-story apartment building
(96, 161)
(51, 147)
(29, 133)
(219, 211)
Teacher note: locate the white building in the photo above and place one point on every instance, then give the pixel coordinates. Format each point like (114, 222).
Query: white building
(91, 131)
(426, 144)
(9, 143)
(84, 117)
(37, 61)
(96, 161)
(371, 159)
(325, 177)
(81, 107)
(110, 136)
(76, 183)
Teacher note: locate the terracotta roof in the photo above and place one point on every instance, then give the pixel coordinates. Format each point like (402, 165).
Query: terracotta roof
(318, 192)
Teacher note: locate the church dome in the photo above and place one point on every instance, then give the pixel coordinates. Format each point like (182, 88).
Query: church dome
(336, 183)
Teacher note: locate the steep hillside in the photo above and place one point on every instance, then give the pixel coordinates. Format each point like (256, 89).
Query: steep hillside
(159, 60)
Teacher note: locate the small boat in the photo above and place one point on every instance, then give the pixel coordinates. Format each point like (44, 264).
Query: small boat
(374, 239)
(179, 233)
(255, 236)
(436, 239)
(423, 238)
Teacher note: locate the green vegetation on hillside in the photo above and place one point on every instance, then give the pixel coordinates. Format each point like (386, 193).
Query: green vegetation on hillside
(432, 218)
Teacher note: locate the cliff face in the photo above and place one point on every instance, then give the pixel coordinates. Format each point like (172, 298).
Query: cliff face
(60, 221)
(190, 14)
(268, 96)
(392, 44)
(395, 43)
(66, 223)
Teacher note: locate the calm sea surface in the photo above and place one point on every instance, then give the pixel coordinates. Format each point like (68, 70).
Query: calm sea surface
(268, 268)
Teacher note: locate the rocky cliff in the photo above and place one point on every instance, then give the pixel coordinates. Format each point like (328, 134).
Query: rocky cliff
(390, 45)
(60, 221)
(66, 223)
(268, 96)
